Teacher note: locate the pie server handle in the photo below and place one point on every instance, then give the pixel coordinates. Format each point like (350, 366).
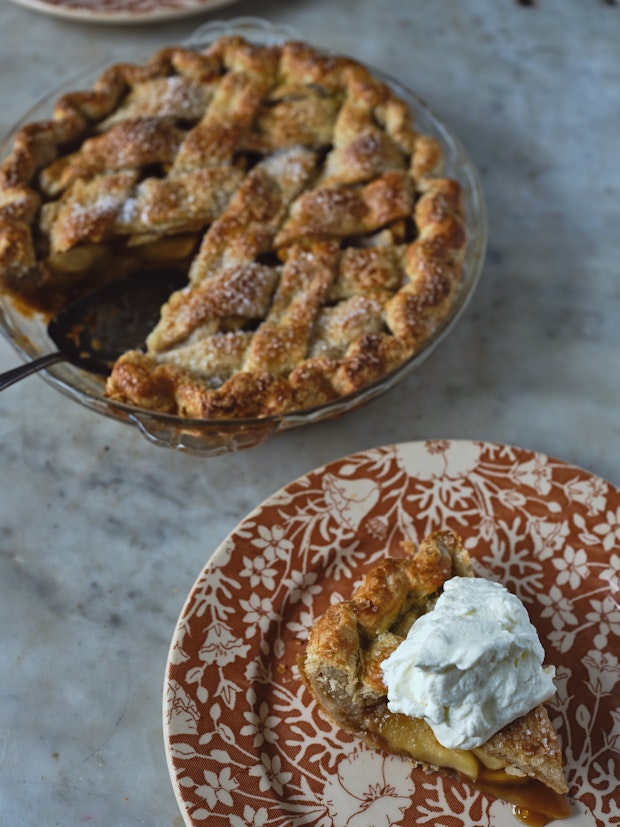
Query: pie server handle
(9, 377)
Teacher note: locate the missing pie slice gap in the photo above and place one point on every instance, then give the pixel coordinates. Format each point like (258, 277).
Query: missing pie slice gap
(521, 764)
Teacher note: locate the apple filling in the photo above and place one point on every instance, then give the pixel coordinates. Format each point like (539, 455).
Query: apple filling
(413, 738)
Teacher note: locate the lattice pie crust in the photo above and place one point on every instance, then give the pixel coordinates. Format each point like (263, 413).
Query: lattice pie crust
(321, 242)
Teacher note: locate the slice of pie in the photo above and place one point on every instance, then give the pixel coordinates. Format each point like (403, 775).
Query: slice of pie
(320, 241)
(522, 763)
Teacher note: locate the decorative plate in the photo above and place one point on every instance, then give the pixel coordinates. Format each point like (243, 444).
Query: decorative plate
(244, 741)
(123, 11)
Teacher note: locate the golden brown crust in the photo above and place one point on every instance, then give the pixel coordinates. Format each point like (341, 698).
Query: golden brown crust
(531, 745)
(346, 646)
(241, 158)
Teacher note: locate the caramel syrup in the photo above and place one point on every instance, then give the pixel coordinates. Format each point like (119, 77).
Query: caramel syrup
(532, 803)
(524, 815)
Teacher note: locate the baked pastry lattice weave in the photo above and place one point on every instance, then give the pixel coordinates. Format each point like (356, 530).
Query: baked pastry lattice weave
(321, 241)
(341, 667)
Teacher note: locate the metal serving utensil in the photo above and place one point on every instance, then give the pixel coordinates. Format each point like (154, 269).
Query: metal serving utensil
(95, 330)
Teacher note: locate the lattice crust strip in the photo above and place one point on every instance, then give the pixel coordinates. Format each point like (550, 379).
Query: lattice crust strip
(321, 242)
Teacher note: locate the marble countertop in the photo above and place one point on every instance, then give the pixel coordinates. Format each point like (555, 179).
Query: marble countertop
(103, 534)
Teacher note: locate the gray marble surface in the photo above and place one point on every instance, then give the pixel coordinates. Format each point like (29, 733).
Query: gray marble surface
(103, 534)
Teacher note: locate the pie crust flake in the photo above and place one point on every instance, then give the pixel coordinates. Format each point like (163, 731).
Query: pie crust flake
(322, 243)
(341, 667)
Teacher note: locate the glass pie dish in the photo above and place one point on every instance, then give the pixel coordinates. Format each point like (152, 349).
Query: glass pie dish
(27, 332)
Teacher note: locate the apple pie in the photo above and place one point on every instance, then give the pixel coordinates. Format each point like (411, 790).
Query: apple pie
(522, 763)
(319, 241)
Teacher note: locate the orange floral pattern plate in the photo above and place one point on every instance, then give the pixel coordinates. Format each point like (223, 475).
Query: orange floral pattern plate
(244, 741)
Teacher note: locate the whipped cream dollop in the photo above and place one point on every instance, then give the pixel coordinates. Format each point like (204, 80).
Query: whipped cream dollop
(469, 666)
